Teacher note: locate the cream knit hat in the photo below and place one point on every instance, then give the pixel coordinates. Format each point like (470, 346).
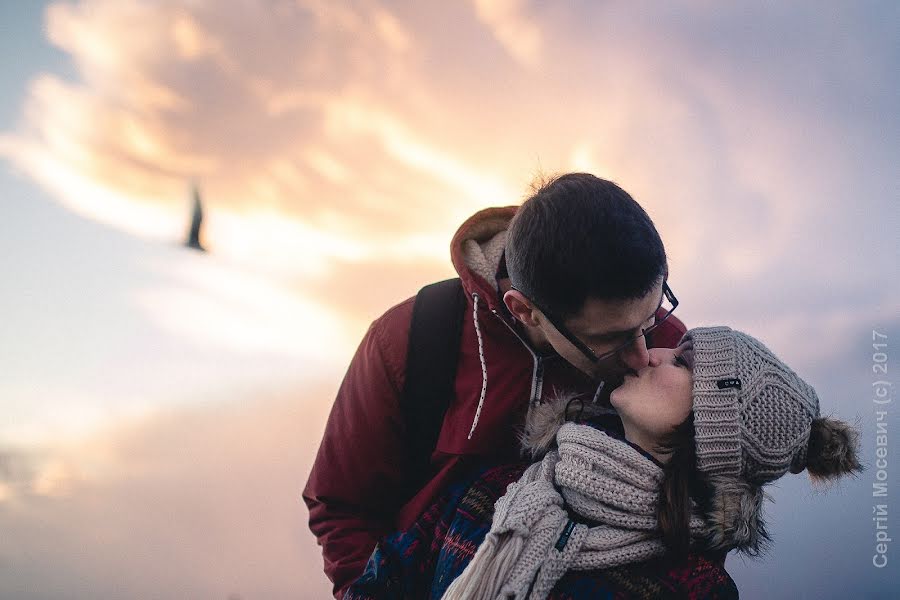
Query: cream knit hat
(752, 414)
(754, 420)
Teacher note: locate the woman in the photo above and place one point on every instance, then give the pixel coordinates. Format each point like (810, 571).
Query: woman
(648, 513)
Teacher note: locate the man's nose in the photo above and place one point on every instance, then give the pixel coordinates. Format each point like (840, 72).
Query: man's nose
(636, 356)
(656, 356)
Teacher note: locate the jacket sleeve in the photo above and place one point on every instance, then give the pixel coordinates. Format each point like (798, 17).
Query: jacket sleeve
(703, 577)
(403, 563)
(353, 488)
(423, 560)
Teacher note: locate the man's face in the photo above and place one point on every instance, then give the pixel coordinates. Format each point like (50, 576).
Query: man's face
(604, 325)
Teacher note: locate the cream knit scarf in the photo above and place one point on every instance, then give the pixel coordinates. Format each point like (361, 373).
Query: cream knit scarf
(533, 541)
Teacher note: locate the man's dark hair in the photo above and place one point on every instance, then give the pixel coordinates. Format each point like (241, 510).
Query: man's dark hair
(581, 237)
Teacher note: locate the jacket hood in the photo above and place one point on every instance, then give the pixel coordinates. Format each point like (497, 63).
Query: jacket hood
(476, 250)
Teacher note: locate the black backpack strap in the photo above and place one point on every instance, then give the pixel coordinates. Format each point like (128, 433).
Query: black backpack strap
(434, 342)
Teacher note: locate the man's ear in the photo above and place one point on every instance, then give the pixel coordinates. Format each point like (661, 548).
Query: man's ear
(520, 307)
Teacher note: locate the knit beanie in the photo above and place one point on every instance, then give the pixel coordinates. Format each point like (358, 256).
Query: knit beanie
(754, 420)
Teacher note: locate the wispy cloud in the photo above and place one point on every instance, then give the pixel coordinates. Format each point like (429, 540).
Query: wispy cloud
(517, 31)
(305, 110)
(271, 106)
(331, 137)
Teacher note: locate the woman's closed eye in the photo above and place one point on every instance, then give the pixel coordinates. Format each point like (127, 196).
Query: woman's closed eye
(679, 360)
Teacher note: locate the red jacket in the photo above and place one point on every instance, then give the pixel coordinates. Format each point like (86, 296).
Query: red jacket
(362, 464)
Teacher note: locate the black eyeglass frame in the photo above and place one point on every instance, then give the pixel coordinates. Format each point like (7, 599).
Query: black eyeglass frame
(585, 349)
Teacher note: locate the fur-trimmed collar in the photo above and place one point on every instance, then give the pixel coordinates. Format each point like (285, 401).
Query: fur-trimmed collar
(544, 420)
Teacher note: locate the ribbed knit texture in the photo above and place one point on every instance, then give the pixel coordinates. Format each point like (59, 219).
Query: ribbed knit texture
(757, 431)
(599, 479)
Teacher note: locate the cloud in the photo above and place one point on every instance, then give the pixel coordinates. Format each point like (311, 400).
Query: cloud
(218, 306)
(378, 123)
(193, 503)
(332, 141)
(104, 327)
(520, 35)
(250, 101)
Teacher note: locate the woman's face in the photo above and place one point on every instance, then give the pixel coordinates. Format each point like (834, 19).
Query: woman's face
(656, 399)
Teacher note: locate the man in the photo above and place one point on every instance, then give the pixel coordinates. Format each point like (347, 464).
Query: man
(565, 292)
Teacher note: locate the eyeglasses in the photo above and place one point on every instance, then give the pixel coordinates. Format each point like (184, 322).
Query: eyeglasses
(667, 296)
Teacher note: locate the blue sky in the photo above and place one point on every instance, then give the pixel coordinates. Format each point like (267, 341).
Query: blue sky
(337, 149)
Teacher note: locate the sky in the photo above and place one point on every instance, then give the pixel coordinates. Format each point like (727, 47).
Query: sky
(337, 148)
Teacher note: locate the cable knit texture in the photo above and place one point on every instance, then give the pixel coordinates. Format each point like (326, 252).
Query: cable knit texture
(752, 414)
(599, 479)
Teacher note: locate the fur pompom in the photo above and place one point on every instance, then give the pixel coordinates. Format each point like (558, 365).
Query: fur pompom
(734, 520)
(833, 449)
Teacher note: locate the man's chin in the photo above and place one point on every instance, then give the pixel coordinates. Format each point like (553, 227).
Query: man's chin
(598, 377)
(595, 376)
(609, 381)
(612, 378)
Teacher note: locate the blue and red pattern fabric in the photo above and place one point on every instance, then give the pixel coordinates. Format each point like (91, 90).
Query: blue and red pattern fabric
(422, 561)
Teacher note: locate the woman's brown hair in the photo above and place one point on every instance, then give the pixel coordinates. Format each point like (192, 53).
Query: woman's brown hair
(682, 486)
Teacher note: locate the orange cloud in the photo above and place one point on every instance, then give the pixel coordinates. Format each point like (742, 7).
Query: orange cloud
(285, 110)
(517, 33)
(325, 135)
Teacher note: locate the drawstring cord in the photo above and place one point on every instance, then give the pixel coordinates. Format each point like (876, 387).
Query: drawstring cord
(483, 367)
(598, 392)
(534, 383)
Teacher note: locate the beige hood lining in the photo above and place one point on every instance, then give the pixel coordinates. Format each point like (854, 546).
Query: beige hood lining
(483, 257)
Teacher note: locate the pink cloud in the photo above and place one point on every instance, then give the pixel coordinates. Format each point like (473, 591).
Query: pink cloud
(198, 503)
